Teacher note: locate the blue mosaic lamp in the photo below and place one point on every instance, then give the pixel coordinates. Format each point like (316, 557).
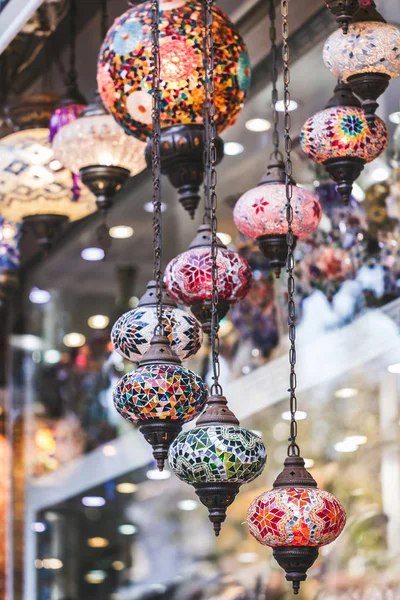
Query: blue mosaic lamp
(217, 457)
(159, 396)
(10, 236)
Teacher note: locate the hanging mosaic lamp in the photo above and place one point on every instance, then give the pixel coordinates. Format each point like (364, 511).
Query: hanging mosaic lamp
(35, 189)
(100, 151)
(73, 102)
(159, 396)
(343, 11)
(341, 138)
(10, 235)
(132, 333)
(188, 277)
(218, 455)
(94, 147)
(295, 518)
(261, 215)
(124, 79)
(367, 56)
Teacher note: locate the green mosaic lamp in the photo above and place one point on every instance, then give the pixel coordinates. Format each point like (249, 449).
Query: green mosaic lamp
(217, 457)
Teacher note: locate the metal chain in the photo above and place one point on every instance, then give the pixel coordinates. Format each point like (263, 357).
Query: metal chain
(293, 449)
(211, 194)
(276, 154)
(156, 162)
(206, 121)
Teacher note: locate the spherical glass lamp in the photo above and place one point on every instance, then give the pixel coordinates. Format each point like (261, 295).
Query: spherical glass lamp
(159, 396)
(260, 214)
(296, 519)
(367, 56)
(341, 138)
(217, 457)
(34, 187)
(10, 236)
(188, 278)
(95, 147)
(132, 333)
(124, 81)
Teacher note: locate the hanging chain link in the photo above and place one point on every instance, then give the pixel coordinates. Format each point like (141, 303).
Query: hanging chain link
(276, 154)
(206, 120)
(293, 449)
(211, 194)
(156, 162)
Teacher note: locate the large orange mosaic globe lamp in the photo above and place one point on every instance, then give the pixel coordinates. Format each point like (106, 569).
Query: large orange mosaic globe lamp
(125, 83)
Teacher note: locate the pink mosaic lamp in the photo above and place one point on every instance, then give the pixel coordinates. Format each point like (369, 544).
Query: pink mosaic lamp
(188, 277)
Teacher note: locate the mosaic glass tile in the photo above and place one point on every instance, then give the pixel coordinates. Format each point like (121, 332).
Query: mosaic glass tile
(298, 516)
(133, 331)
(262, 211)
(10, 236)
(343, 131)
(124, 68)
(188, 276)
(217, 453)
(368, 47)
(163, 391)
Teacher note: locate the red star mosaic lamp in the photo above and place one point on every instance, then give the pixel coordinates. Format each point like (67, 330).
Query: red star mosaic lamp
(295, 518)
(189, 277)
(218, 455)
(124, 79)
(367, 56)
(160, 395)
(260, 213)
(342, 139)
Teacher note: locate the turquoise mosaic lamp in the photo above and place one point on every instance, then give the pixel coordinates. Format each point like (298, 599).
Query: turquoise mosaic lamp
(217, 457)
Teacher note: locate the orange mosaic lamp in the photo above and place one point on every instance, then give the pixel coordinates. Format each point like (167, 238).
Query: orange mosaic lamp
(296, 519)
(125, 84)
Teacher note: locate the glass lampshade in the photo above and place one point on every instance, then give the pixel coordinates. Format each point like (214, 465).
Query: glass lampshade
(98, 140)
(33, 182)
(124, 68)
(133, 331)
(160, 392)
(217, 453)
(341, 132)
(296, 516)
(262, 211)
(368, 47)
(188, 276)
(62, 116)
(10, 235)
